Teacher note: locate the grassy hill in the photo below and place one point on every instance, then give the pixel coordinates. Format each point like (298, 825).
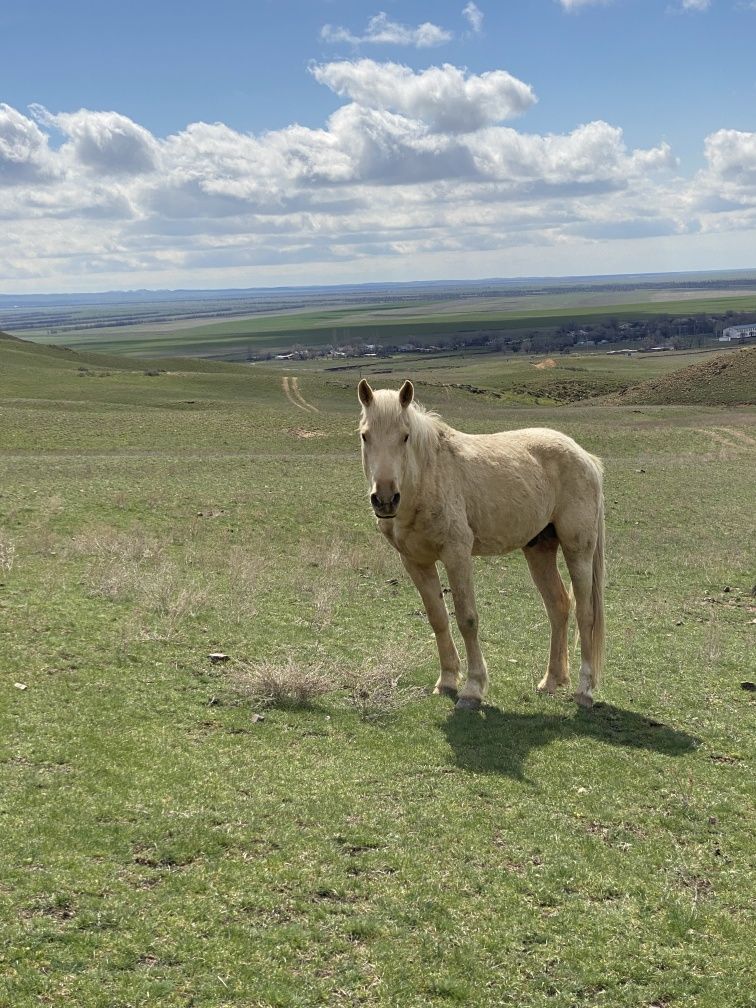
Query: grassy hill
(164, 844)
(726, 379)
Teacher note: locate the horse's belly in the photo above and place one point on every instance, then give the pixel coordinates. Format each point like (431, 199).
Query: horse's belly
(498, 545)
(508, 529)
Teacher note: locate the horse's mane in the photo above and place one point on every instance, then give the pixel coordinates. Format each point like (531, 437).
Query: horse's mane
(426, 427)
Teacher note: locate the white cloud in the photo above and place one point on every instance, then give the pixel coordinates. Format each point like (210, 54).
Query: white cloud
(381, 31)
(104, 142)
(695, 5)
(593, 156)
(723, 195)
(445, 97)
(731, 155)
(25, 155)
(411, 165)
(474, 16)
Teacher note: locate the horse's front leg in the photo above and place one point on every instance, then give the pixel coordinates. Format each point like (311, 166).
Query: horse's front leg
(427, 583)
(459, 568)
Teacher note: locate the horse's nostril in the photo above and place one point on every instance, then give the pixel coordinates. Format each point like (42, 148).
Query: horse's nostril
(374, 500)
(395, 499)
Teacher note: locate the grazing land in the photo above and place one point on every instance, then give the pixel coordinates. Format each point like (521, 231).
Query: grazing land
(302, 824)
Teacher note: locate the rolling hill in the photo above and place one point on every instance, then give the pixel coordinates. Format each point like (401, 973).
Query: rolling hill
(725, 380)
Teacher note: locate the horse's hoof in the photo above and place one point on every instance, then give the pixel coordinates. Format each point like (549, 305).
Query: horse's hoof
(468, 703)
(548, 687)
(447, 691)
(584, 700)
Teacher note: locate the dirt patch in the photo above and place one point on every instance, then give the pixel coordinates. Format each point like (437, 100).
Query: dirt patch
(301, 433)
(548, 363)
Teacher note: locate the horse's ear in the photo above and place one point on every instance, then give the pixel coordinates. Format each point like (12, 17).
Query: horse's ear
(406, 394)
(364, 393)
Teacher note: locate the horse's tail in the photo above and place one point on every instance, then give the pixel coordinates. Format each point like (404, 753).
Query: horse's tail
(598, 635)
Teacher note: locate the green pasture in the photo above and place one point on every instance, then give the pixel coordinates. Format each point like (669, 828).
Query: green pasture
(164, 845)
(381, 324)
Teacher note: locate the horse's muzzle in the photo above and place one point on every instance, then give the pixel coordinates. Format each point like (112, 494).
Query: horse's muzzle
(385, 508)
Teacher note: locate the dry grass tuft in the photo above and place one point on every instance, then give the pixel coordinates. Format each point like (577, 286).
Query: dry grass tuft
(130, 566)
(290, 683)
(110, 544)
(372, 689)
(7, 554)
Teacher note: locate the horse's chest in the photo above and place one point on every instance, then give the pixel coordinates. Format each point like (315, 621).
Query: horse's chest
(419, 539)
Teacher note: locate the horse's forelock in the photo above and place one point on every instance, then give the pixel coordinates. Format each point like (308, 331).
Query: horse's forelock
(386, 411)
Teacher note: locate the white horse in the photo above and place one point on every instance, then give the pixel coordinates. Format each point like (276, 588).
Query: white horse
(441, 495)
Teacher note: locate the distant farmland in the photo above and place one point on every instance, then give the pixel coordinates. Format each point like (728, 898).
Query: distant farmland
(380, 322)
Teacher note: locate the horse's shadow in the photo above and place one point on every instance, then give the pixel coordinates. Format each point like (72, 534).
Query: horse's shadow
(495, 741)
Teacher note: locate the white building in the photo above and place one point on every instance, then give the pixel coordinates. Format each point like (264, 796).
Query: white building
(738, 332)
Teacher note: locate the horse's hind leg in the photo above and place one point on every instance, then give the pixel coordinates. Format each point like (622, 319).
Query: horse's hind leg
(428, 585)
(542, 561)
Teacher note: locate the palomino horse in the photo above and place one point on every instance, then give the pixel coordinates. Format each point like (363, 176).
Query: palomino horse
(441, 495)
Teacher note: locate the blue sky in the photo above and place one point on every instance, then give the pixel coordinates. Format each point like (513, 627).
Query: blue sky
(262, 143)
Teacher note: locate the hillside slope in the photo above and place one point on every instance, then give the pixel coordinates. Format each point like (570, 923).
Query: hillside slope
(726, 380)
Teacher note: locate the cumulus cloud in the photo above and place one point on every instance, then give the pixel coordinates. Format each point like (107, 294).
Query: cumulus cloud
(104, 142)
(731, 155)
(25, 155)
(474, 16)
(591, 156)
(382, 31)
(389, 149)
(417, 164)
(446, 98)
(723, 194)
(695, 5)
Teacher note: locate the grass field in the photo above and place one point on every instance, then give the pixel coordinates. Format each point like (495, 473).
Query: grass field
(165, 845)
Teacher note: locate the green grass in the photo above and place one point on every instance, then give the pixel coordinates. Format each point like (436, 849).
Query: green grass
(162, 846)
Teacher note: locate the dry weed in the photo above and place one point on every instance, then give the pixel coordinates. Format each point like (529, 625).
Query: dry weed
(247, 571)
(289, 683)
(248, 575)
(163, 596)
(132, 545)
(373, 689)
(7, 554)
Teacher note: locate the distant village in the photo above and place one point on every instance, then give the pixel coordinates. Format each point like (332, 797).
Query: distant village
(655, 335)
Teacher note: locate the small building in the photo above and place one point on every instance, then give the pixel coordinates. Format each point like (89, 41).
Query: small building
(738, 332)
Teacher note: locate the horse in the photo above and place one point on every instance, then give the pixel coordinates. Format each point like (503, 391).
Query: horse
(441, 495)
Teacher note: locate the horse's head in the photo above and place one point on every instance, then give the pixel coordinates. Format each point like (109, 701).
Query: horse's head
(385, 431)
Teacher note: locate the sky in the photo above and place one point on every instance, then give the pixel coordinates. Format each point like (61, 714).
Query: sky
(282, 142)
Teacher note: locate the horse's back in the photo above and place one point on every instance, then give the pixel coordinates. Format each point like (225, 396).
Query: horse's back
(529, 448)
